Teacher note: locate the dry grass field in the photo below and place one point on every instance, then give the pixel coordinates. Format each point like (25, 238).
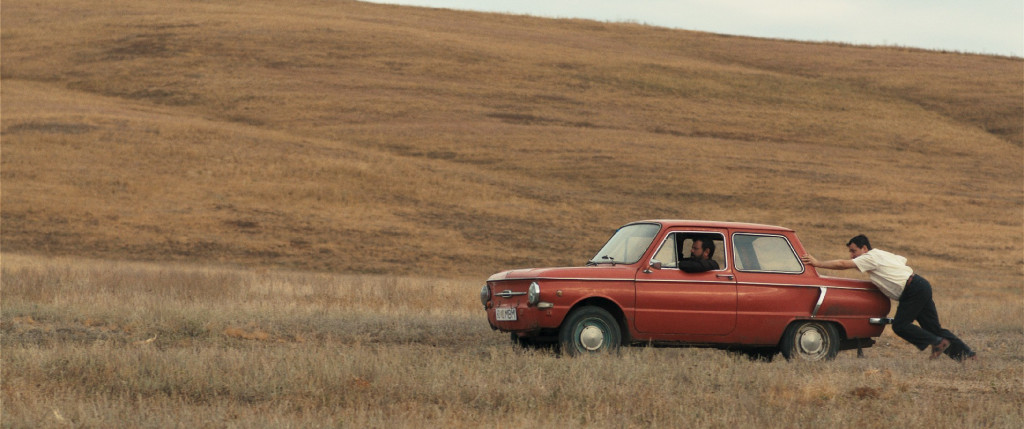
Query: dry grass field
(268, 213)
(99, 344)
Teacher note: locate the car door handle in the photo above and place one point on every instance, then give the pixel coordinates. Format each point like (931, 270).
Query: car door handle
(724, 276)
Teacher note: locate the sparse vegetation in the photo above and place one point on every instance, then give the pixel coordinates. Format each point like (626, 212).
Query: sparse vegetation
(101, 344)
(340, 136)
(289, 208)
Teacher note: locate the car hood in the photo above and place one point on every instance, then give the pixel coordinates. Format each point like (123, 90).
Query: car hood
(619, 272)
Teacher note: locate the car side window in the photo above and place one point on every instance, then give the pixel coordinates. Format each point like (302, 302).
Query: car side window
(677, 245)
(718, 256)
(667, 253)
(765, 253)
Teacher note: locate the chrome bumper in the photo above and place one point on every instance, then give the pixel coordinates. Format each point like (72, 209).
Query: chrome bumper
(880, 320)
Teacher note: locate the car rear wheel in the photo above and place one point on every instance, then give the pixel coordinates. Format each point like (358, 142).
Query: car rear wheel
(589, 330)
(811, 341)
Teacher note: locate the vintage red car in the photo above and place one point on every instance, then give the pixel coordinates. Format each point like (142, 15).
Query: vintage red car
(760, 298)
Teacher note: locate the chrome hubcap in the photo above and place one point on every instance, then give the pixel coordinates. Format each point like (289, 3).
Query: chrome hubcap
(810, 341)
(591, 337)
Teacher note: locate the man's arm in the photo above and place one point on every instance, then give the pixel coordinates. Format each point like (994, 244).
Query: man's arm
(835, 264)
(691, 265)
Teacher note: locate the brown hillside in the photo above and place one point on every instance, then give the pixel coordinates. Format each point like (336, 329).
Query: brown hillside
(351, 137)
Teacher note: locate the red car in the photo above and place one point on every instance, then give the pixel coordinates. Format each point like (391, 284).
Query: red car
(757, 296)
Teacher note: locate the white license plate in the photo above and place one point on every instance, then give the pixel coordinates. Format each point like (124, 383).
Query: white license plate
(505, 314)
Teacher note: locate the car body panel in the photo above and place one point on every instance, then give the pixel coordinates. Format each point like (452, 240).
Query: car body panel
(670, 301)
(563, 287)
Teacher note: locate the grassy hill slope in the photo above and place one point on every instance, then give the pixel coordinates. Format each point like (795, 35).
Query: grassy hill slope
(351, 137)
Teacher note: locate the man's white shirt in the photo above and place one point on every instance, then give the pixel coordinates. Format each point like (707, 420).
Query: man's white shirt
(886, 270)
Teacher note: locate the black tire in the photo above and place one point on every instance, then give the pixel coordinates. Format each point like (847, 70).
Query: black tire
(589, 330)
(811, 341)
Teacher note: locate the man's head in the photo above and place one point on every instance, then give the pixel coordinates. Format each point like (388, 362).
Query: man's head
(858, 245)
(702, 248)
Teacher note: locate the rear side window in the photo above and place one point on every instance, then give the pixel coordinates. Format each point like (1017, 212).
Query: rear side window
(765, 253)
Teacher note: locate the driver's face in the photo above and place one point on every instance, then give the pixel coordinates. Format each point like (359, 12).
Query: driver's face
(697, 250)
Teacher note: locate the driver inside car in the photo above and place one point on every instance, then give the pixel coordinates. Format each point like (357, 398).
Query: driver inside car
(701, 251)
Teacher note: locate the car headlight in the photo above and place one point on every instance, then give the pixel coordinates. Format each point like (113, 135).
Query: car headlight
(485, 294)
(533, 294)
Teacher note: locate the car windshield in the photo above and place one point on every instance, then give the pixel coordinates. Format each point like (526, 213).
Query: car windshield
(627, 245)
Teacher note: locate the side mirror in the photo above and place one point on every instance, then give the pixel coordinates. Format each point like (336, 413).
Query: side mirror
(656, 264)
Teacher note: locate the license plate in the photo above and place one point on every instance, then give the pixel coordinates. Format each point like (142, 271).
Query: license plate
(505, 314)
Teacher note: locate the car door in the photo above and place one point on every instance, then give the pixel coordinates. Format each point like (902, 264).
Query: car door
(670, 301)
(773, 287)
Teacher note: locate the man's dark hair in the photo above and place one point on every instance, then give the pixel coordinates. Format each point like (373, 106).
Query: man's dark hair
(706, 243)
(860, 241)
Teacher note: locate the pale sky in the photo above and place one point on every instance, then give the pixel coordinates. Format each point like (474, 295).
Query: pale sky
(971, 26)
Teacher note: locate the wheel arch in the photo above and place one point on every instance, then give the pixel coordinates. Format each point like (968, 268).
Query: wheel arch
(839, 327)
(611, 307)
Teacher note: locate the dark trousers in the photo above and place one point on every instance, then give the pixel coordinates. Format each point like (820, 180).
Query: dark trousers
(916, 304)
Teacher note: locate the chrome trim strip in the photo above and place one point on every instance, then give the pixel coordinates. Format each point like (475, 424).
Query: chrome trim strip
(789, 273)
(680, 281)
(821, 298)
(590, 279)
(814, 286)
(509, 294)
(526, 279)
(880, 320)
(755, 284)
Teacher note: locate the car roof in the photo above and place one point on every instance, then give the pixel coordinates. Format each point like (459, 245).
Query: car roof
(714, 224)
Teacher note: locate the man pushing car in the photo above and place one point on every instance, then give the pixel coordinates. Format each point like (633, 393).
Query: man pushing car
(913, 293)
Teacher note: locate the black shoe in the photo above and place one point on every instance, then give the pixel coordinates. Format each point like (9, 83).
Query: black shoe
(939, 348)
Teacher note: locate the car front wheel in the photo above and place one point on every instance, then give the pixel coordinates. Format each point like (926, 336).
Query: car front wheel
(589, 330)
(811, 341)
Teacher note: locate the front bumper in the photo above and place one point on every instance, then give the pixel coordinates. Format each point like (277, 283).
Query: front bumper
(528, 318)
(880, 320)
